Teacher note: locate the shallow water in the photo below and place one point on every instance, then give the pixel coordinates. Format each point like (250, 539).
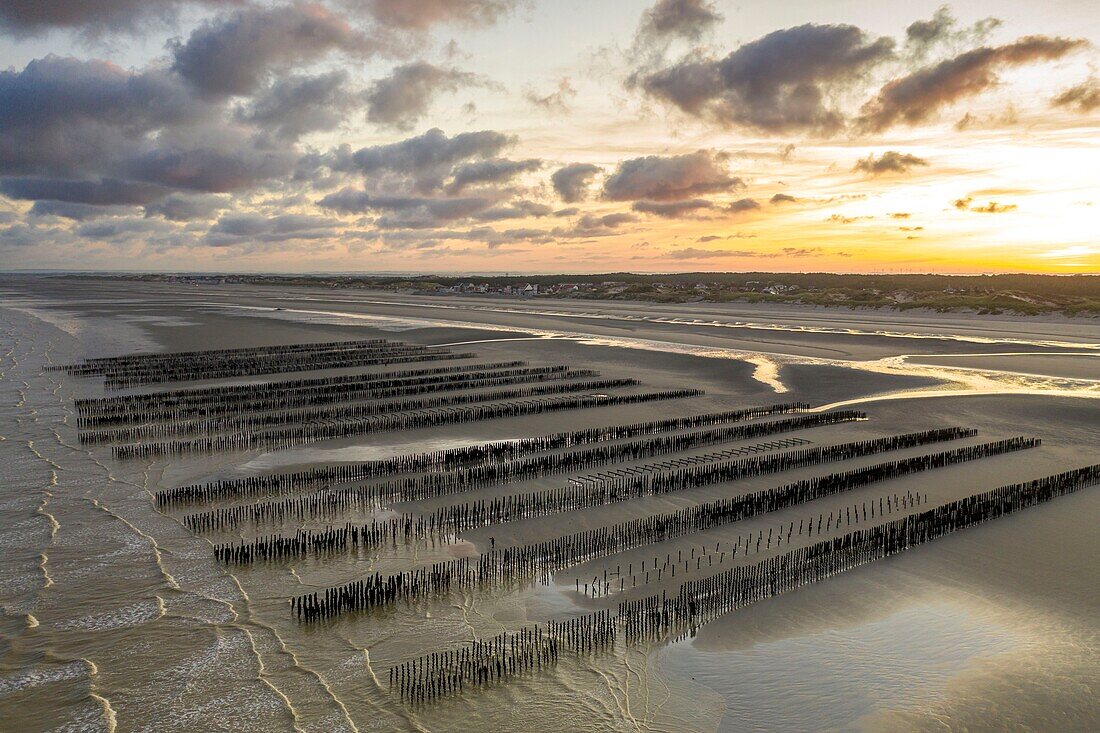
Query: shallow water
(854, 672)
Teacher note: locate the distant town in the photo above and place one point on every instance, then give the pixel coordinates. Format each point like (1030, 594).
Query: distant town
(1072, 295)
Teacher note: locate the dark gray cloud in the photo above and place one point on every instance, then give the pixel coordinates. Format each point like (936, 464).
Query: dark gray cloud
(916, 97)
(24, 235)
(402, 98)
(420, 15)
(299, 105)
(520, 209)
(234, 54)
(66, 117)
(421, 163)
(571, 182)
(672, 209)
(218, 166)
(25, 17)
(689, 19)
(491, 171)
(594, 225)
(782, 198)
(104, 191)
(777, 83)
(117, 228)
(243, 228)
(925, 33)
(75, 211)
(90, 132)
(670, 178)
(241, 225)
(407, 212)
(889, 162)
(742, 205)
(1083, 98)
(187, 207)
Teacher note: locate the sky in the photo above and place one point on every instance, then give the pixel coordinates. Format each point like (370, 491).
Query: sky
(550, 136)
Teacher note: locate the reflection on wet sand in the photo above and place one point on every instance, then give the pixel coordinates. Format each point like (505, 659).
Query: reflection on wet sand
(958, 380)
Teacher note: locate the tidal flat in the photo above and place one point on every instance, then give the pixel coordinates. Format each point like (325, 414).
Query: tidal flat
(118, 617)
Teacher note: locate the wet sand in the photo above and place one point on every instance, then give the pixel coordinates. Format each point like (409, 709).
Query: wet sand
(115, 617)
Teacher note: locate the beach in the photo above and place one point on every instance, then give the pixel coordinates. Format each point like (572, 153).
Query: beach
(117, 617)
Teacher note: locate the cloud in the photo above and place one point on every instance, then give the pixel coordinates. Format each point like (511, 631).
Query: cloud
(229, 163)
(107, 229)
(809, 252)
(234, 54)
(571, 182)
(742, 205)
(75, 211)
(402, 98)
(672, 209)
(184, 207)
(23, 17)
(993, 208)
(841, 219)
(419, 15)
(557, 101)
(890, 162)
(964, 204)
(408, 212)
(782, 198)
(916, 97)
(66, 117)
(593, 225)
(694, 253)
(1083, 98)
(23, 235)
(104, 191)
(942, 29)
(899, 215)
(688, 19)
(91, 132)
(423, 161)
(520, 209)
(717, 238)
(924, 33)
(670, 178)
(492, 170)
(403, 238)
(298, 105)
(777, 83)
(242, 228)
